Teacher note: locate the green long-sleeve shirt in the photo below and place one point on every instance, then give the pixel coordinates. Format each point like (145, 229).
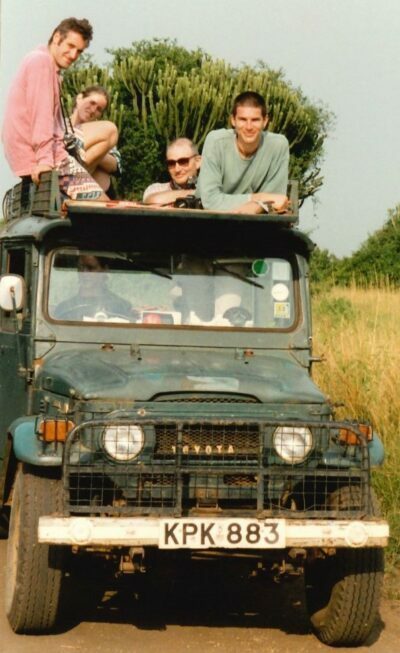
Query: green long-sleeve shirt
(226, 180)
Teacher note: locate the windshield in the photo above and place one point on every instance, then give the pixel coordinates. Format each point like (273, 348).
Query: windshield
(136, 288)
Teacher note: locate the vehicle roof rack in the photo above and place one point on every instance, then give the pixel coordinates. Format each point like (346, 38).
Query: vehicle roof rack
(26, 198)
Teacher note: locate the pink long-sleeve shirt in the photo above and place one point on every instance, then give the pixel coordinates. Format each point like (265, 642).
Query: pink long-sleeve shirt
(33, 128)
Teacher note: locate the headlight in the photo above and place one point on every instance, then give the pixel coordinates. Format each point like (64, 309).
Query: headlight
(293, 443)
(123, 442)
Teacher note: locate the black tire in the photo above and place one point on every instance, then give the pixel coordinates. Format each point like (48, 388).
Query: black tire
(4, 522)
(34, 571)
(343, 593)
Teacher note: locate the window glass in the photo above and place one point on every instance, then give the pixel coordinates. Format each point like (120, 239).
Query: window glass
(89, 286)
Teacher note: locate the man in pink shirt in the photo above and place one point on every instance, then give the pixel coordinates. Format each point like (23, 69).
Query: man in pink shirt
(33, 127)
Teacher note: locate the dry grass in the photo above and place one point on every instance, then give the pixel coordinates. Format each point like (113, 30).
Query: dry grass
(358, 333)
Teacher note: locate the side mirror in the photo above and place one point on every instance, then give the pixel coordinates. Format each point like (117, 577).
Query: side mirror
(12, 286)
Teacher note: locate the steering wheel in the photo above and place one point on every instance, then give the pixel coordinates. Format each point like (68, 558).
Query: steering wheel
(74, 312)
(237, 315)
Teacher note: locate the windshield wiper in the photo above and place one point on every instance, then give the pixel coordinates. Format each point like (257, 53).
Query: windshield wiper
(238, 275)
(145, 268)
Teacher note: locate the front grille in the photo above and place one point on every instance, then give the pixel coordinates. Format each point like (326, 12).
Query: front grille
(225, 466)
(214, 443)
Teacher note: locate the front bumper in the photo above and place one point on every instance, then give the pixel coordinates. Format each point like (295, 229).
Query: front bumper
(147, 531)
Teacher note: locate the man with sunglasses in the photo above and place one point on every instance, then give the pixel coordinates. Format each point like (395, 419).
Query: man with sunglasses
(245, 169)
(183, 163)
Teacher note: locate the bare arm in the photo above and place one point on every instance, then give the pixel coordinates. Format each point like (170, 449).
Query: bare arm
(167, 196)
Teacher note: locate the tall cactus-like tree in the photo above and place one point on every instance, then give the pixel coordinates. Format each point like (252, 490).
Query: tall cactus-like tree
(137, 76)
(175, 96)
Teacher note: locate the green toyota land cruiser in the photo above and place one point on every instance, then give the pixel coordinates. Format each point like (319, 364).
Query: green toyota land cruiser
(156, 397)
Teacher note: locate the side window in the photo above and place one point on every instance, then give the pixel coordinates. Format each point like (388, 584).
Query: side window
(16, 261)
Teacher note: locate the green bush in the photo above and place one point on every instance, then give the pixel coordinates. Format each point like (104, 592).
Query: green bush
(377, 261)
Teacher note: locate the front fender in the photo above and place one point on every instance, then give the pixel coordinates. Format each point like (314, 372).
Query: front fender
(376, 451)
(29, 449)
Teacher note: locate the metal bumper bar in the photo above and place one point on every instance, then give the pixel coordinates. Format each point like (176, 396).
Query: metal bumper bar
(147, 531)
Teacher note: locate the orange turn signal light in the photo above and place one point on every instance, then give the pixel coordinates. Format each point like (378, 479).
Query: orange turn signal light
(55, 430)
(349, 436)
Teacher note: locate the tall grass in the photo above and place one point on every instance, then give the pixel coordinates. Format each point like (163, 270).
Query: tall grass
(357, 330)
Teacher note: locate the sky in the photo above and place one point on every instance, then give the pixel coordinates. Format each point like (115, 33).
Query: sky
(344, 54)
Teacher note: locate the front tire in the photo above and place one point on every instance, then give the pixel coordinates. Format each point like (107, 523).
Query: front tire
(343, 594)
(34, 571)
(4, 522)
(343, 590)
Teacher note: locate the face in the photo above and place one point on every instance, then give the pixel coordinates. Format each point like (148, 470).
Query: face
(249, 124)
(181, 163)
(91, 107)
(91, 283)
(66, 49)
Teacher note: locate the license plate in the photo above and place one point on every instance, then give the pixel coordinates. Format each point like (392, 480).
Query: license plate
(222, 533)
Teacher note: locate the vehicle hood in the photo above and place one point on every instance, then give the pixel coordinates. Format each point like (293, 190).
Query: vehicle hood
(117, 375)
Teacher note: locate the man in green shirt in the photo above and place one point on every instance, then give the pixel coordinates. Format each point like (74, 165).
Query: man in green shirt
(245, 167)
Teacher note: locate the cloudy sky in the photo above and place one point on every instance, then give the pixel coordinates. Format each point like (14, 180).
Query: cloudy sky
(343, 53)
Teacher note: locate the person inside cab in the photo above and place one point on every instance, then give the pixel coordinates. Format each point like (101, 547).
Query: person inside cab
(93, 301)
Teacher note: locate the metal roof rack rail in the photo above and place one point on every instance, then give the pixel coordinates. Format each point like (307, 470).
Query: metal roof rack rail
(26, 198)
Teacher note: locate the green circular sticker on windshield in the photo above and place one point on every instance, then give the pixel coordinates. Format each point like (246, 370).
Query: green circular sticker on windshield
(259, 267)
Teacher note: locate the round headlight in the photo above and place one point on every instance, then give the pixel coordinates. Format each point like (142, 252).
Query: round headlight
(123, 442)
(293, 443)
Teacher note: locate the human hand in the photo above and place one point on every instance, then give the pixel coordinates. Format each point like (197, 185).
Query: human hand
(249, 208)
(37, 171)
(279, 203)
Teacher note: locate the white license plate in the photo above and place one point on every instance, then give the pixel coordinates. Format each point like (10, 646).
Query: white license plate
(222, 533)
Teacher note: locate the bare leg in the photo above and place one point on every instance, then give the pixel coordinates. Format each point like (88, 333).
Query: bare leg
(102, 178)
(99, 138)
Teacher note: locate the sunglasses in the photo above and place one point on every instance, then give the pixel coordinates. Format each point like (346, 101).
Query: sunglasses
(183, 161)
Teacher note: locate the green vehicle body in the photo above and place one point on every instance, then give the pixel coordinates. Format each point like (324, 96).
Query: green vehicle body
(210, 405)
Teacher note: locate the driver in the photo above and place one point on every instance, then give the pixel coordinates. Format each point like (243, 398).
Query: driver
(94, 300)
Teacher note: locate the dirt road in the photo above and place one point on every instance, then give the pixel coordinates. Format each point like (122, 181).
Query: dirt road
(201, 612)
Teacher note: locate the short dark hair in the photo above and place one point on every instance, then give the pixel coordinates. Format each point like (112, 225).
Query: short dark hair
(94, 88)
(81, 26)
(249, 99)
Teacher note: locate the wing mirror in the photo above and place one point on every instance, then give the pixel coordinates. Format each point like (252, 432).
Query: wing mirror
(12, 292)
